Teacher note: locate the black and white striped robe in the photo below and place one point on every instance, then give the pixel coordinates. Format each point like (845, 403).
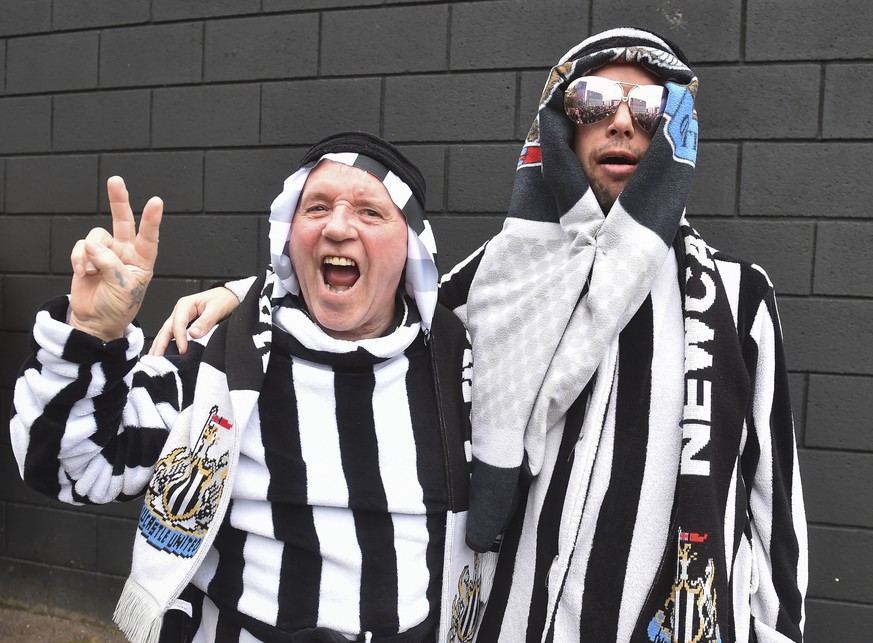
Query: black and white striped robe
(591, 555)
(338, 512)
(347, 472)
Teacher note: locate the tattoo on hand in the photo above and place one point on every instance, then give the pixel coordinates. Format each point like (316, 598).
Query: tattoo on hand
(136, 294)
(120, 278)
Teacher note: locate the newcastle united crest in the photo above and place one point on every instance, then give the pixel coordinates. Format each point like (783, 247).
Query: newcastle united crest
(689, 613)
(184, 492)
(466, 605)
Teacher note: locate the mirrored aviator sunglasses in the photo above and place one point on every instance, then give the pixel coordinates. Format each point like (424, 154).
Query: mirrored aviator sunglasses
(590, 99)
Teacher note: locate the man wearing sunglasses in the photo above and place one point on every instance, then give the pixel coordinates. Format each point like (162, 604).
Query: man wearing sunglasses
(630, 382)
(633, 449)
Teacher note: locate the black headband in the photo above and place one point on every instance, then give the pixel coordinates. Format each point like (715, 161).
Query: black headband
(376, 148)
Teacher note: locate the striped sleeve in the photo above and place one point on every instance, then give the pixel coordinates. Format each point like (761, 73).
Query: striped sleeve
(89, 418)
(778, 524)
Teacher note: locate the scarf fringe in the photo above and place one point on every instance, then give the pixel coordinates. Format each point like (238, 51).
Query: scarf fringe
(138, 615)
(487, 570)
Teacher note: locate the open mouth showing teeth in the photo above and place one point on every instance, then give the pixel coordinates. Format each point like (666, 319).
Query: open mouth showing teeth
(339, 273)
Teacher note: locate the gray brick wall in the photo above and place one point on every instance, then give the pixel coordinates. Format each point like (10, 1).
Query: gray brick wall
(210, 104)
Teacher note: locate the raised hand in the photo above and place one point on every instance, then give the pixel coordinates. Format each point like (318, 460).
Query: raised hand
(112, 271)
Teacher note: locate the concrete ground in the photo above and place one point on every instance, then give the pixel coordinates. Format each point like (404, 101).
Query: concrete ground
(24, 623)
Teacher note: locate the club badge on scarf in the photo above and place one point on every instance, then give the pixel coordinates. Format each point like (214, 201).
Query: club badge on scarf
(689, 613)
(467, 605)
(185, 490)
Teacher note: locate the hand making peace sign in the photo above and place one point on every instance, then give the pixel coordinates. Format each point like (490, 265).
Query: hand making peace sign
(112, 271)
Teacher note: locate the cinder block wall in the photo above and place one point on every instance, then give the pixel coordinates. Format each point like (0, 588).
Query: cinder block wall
(210, 104)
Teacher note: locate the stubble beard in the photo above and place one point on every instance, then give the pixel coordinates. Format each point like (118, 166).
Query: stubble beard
(603, 195)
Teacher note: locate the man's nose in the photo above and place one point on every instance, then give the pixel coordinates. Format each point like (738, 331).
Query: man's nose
(338, 225)
(622, 123)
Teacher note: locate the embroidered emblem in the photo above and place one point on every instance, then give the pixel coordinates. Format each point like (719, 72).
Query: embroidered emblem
(530, 155)
(184, 492)
(689, 612)
(466, 605)
(556, 77)
(533, 134)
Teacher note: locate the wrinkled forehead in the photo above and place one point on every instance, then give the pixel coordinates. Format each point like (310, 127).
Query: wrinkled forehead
(331, 178)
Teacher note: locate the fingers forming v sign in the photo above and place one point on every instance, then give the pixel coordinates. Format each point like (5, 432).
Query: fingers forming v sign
(112, 271)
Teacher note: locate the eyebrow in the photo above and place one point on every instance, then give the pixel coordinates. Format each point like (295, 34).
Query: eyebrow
(314, 195)
(319, 195)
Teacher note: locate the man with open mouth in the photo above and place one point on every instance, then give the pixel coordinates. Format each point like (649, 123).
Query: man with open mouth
(306, 465)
